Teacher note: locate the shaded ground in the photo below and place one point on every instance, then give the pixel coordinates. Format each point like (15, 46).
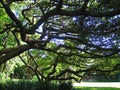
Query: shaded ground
(98, 84)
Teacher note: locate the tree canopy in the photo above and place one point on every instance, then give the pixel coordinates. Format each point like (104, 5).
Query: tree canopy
(79, 37)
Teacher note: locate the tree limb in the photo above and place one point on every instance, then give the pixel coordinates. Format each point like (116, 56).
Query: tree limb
(12, 52)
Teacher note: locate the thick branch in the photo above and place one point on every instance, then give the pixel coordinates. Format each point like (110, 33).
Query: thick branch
(90, 13)
(13, 52)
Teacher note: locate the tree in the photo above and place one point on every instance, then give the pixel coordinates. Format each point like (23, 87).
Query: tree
(61, 33)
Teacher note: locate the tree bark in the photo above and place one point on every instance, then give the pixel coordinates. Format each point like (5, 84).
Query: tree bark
(12, 53)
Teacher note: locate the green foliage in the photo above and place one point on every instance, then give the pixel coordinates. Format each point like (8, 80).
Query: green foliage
(84, 29)
(65, 86)
(26, 85)
(19, 72)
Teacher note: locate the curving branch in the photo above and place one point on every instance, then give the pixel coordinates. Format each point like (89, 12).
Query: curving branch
(12, 52)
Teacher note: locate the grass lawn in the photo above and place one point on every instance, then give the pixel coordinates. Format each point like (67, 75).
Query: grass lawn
(35, 85)
(96, 88)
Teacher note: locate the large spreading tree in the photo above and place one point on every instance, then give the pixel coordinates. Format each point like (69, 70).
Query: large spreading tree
(61, 39)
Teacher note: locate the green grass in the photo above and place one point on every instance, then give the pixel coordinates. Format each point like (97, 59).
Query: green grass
(35, 85)
(96, 88)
